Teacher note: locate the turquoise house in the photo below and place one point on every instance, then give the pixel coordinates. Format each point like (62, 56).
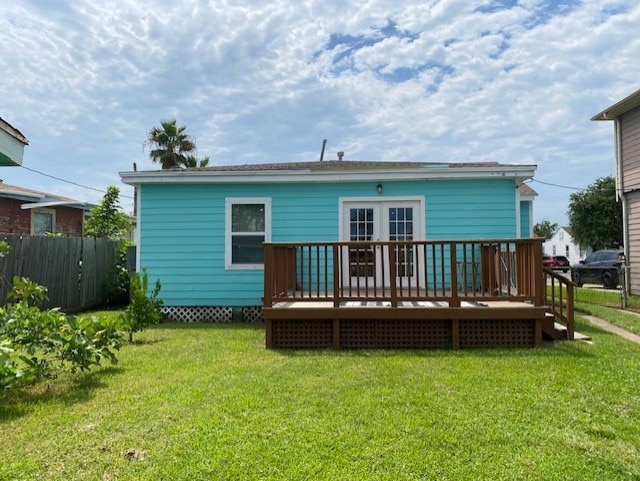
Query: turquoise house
(200, 231)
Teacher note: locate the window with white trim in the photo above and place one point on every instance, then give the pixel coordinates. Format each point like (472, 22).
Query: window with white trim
(247, 226)
(43, 221)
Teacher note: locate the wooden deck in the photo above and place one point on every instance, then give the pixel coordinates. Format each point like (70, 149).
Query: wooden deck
(447, 294)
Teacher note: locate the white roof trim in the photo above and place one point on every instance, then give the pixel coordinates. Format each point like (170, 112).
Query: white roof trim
(68, 203)
(520, 172)
(20, 194)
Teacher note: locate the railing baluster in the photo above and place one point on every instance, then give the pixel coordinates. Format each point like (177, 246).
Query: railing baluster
(337, 262)
(406, 270)
(326, 273)
(442, 270)
(433, 269)
(310, 273)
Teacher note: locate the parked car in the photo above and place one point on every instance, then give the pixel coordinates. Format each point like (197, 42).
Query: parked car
(560, 263)
(602, 267)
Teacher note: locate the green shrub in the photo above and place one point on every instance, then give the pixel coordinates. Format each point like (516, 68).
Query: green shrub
(144, 306)
(39, 344)
(117, 284)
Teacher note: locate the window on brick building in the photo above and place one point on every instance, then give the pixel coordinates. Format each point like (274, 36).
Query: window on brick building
(43, 221)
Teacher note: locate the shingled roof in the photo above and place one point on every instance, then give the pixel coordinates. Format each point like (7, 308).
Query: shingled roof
(35, 198)
(340, 165)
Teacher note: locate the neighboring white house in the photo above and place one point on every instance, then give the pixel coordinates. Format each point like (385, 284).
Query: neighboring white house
(12, 144)
(561, 244)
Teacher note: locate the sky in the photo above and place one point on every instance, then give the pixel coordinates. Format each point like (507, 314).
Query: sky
(255, 81)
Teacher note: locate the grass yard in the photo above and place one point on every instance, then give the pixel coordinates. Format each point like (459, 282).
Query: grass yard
(203, 402)
(625, 319)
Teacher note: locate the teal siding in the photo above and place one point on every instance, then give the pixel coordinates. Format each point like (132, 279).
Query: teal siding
(182, 227)
(525, 218)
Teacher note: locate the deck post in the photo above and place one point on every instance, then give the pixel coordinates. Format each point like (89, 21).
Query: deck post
(268, 277)
(537, 270)
(336, 275)
(268, 333)
(570, 313)
(455, 333)
(392, 276)
(336, 333)
(454, 302)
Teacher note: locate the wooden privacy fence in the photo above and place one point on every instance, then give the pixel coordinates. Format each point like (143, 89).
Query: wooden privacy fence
(73, 269)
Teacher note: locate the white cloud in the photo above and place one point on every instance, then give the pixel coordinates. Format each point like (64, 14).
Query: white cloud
(254, 82)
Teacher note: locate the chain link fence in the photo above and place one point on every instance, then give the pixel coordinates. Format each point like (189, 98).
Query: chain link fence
(616, 298)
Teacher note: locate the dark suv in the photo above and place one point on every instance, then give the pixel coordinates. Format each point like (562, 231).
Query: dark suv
(602, 266)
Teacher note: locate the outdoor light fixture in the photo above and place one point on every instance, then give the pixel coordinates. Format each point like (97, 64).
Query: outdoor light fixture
(379, 188)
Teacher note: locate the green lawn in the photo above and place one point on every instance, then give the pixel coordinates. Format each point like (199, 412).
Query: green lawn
(607, 304)
(208, 402)
(625, 319)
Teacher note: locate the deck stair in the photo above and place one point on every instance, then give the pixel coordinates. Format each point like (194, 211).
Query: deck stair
(552, 330)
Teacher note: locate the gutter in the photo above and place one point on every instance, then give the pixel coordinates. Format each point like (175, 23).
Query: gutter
(519, 173)
(620, 194)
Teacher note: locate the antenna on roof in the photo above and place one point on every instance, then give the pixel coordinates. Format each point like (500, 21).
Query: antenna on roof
(324, 143)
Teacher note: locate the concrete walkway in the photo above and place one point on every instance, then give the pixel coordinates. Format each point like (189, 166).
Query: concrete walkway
(596, 321)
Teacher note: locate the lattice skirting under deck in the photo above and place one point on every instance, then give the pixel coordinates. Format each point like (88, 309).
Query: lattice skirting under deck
(212, 314)
(400, 333)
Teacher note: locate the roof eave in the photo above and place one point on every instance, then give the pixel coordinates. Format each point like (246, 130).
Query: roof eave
(520, 172)
(60, 203)
(623, 106)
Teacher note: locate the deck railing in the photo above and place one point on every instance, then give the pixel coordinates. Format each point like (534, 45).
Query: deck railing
(559, 298)
(399, 271)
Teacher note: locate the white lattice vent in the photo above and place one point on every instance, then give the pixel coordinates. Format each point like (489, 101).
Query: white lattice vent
(252, 314)
(198, 314)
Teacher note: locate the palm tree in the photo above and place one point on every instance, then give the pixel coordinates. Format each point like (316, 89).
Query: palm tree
(192, 161)
(170, 144)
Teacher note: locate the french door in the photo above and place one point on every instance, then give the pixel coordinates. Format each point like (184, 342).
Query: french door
(388, 220)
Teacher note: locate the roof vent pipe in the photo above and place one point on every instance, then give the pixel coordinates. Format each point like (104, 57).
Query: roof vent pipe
(324, 143)
(340, 155)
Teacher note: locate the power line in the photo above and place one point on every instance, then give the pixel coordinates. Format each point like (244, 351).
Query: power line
(71, 182)
(576, 188)
(556, 185)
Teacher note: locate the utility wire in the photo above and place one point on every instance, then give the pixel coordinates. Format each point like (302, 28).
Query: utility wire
(556, 185)
(71, 182)
(575, 188)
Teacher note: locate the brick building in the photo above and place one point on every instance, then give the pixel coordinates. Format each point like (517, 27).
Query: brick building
(26, 211)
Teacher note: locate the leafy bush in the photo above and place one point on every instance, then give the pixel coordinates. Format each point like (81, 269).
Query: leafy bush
(144, 306)
(117, 284)
(107, 219)
(39, 344)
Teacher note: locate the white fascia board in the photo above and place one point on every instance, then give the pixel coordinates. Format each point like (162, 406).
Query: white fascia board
(77, 205)
(20, 195)
(519, 172)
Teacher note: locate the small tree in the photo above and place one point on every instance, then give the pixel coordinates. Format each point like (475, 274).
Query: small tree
(108, 220)
(544, 229)
(144, 306)
(595, 216)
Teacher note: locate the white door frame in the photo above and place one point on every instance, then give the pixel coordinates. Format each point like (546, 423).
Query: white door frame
(381, 231)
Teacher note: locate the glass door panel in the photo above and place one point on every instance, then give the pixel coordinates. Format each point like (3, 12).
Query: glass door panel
(362, 228)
